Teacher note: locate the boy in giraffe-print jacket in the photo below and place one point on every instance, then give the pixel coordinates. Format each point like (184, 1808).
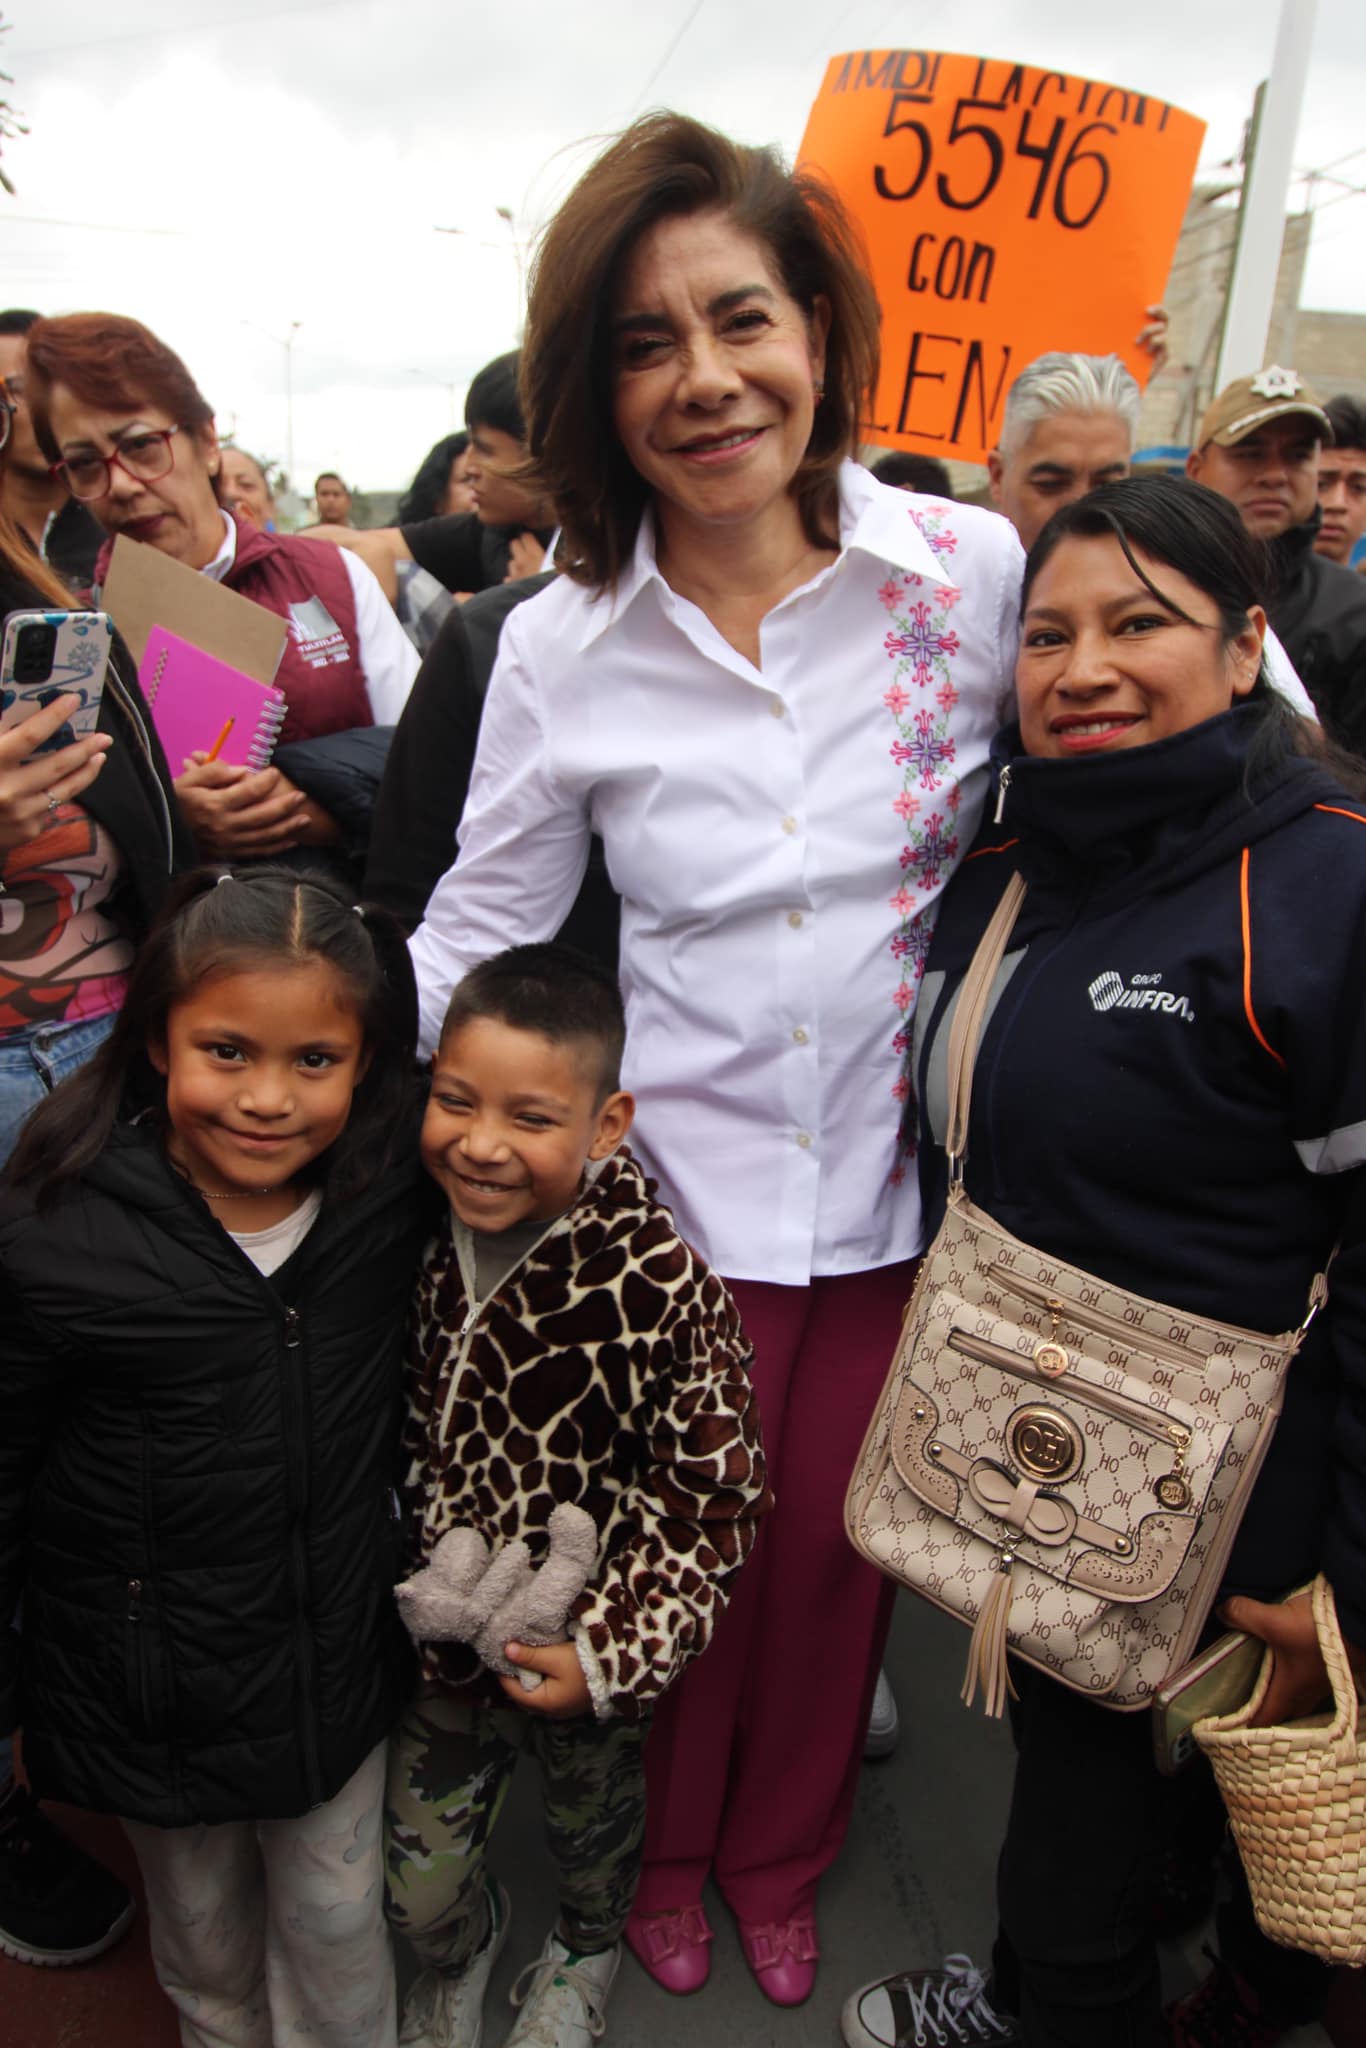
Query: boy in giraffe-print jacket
(566, 1346)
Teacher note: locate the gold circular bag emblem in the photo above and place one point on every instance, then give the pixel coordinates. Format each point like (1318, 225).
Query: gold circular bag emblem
(1051, 1359)
(1044, 1444)
(1173, 1491)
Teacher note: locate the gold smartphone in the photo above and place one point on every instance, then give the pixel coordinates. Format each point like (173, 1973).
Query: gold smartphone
(1218, 1681)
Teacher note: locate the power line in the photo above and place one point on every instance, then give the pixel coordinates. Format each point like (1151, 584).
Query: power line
(663, 63)
(1202, 256)
(1353, 192)
(1350, 157)
(1213, 255)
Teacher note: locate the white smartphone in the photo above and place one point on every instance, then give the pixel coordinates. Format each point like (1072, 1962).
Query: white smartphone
(54, 654)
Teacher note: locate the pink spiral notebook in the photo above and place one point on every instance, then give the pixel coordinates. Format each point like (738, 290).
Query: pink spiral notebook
(199, 703)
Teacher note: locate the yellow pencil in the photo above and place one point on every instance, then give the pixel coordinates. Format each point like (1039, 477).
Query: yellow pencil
(216, 749)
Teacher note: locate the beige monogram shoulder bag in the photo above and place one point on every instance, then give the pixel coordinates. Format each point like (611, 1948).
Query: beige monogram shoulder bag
(1059, 1463)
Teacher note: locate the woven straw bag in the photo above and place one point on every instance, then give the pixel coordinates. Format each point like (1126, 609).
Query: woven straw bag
(1058, 1462)
(1296, 1799)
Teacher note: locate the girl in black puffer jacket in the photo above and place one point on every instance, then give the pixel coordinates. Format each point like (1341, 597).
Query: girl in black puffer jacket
(206, 1251)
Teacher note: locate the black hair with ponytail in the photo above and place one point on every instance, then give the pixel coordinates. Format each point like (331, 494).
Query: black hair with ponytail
(223, 921)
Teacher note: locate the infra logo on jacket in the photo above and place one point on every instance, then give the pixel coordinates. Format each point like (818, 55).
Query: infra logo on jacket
(1108, 992)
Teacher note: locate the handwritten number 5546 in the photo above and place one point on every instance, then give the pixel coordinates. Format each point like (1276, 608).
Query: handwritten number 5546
(1078, 190)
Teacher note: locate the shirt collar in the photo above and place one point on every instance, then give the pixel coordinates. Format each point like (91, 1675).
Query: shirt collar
(875, 520)
(222, 562)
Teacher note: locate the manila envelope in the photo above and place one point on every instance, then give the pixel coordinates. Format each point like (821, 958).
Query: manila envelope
(145, 588)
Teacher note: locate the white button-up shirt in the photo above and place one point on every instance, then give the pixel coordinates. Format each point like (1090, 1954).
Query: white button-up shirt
(778, 835)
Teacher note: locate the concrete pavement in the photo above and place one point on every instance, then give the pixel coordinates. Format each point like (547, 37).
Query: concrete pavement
(915, 1880)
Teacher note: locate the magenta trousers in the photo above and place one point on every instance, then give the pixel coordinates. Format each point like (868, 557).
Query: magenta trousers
(752, 1762)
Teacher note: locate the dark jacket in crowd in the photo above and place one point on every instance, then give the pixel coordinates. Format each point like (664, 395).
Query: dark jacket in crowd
(1319, 615)
(132, 796)
(461, 552)
(72, 541)
(427, 779)
(196, 1468)
(1171, 1086)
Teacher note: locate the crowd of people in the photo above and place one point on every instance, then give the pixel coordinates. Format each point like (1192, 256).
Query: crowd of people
(367, 1419)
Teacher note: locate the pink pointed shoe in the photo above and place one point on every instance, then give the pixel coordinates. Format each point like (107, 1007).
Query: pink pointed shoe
(674, 1948)
(783, 1956)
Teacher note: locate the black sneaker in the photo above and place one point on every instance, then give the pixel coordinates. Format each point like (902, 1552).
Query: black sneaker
(919, 2007)
(1223, 2012)
(57, 1905)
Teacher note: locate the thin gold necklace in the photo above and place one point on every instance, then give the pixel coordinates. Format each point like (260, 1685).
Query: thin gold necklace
(233, 1195)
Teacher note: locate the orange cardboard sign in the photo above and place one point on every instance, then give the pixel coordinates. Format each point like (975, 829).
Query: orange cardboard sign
(1007, 210)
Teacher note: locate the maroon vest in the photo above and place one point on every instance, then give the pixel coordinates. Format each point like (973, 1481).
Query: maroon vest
(305, 583)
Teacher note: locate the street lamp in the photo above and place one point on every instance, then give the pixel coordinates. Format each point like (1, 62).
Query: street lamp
(506, 214)
(288, 345)
(509, 220)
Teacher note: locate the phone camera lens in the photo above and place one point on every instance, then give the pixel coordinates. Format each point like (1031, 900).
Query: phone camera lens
(34, 647)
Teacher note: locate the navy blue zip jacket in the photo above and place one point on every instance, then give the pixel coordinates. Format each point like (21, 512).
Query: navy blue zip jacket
(196, 1492)
(1171, 1085)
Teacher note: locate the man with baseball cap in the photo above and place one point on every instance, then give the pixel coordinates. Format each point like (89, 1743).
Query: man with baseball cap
(1258, 446)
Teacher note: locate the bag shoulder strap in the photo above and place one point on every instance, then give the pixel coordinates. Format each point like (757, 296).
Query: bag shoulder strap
(969, 1017)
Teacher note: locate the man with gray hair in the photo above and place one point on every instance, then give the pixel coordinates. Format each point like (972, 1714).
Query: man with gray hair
(1070, 425)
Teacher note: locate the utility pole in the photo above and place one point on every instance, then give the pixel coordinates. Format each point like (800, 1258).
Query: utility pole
(294, 327)
(1261, 212)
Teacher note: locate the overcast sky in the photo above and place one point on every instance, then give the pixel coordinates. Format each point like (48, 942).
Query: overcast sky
(224, 169)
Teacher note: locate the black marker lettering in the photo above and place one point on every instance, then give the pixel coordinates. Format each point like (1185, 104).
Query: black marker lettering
(894, 125)
(915, 375)
(868, 77)
(926, 76)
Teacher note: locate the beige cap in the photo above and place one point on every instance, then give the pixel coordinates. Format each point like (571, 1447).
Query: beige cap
(1251, 401)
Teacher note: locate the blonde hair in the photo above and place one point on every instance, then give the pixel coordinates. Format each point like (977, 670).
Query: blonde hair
(21, 559)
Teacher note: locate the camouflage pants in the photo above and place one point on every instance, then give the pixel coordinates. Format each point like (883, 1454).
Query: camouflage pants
(449, 1770)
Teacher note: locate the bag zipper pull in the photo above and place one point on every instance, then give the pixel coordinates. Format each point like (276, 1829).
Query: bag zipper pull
(1173, 1488)
(1318, 1295)
(1002, 786)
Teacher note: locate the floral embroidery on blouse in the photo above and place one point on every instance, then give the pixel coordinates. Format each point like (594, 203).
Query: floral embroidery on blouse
(921, 643)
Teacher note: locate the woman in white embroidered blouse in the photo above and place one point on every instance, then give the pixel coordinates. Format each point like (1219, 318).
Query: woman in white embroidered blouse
(769, 683)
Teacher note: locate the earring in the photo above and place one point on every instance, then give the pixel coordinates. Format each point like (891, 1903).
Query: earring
(818, 390)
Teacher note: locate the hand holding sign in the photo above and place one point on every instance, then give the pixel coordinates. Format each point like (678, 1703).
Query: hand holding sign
(1007, 211)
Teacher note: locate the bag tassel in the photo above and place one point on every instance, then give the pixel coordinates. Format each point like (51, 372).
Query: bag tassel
(987, 1651)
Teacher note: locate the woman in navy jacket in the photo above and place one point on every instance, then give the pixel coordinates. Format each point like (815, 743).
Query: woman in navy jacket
(1171, 1092)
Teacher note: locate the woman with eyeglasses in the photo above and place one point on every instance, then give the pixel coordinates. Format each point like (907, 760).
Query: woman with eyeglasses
(118, 413)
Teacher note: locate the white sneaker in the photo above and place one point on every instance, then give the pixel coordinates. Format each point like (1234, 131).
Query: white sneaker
(563, 1997)
(442, 2011)
(884, 1723)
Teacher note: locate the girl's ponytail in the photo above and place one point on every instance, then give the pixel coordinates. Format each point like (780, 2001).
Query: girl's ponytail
(385, 1098)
